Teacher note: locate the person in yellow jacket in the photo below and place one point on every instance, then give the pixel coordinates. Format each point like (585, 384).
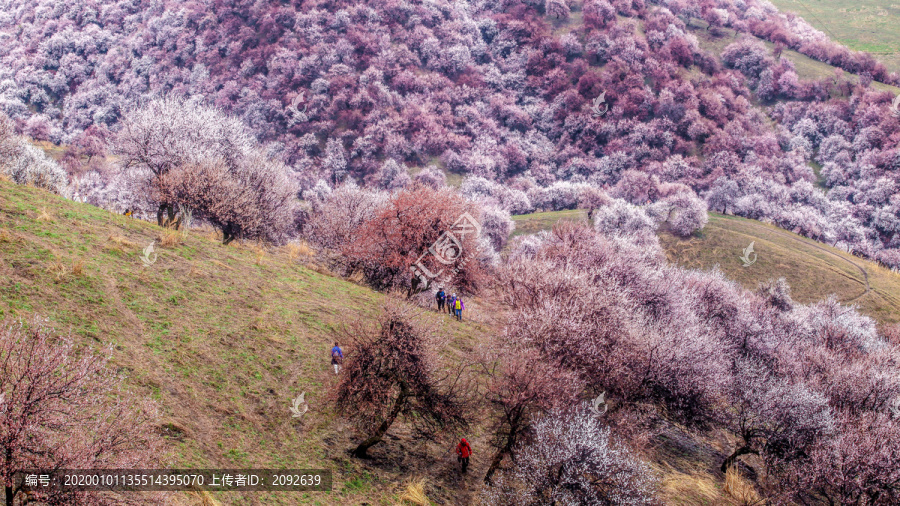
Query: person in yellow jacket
(458, 307)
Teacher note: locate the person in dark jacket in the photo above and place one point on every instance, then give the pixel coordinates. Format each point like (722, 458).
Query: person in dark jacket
(463, 452)
(440, 297)
(450, 301)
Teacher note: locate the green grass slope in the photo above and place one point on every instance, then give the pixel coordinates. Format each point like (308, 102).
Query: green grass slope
(814, 270)
(221, 337)
(861, 25)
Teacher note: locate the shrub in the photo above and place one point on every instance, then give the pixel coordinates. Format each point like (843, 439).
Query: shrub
(24, 163)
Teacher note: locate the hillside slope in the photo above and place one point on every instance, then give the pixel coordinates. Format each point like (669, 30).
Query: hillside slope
(813, 270)
(221, 337)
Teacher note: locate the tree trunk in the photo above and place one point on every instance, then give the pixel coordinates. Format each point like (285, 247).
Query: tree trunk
(363, 447)
(9, 490)
(743, 450)
(495, 462)
(227, 234)
(159, 214)
(171, 222)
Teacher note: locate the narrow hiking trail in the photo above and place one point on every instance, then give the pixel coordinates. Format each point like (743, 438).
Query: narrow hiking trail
(786, 234)
(832, 253)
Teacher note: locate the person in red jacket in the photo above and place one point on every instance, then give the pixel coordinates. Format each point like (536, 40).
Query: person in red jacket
(463, 452)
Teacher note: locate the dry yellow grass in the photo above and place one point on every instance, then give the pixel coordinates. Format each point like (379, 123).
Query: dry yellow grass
(77, 268)
(695, 488)
(169, 238)
(6, 235)
(299, 250)
(44, 216)
(356, 277)
(740, 489)
(414, 494)
(206, 499)
(119, 243)
(260, 255)
(60, 269)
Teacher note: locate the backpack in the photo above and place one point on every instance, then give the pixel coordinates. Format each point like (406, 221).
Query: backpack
(336, 356)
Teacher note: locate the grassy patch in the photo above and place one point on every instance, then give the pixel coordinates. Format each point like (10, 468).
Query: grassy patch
(222, 337)
(861, 25)
(535, 222)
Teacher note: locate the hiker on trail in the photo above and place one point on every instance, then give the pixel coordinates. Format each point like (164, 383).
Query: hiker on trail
(458, 307)
(440, 297)
(337, 357)
(450, 302)
(128, 212)
(463, 452)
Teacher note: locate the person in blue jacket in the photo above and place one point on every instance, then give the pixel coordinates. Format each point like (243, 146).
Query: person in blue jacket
(337, 357)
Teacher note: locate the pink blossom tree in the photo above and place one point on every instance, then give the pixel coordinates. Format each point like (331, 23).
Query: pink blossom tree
(60, 409)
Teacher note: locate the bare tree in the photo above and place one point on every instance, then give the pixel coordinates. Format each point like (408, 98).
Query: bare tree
(60, 409)
(396, 371)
